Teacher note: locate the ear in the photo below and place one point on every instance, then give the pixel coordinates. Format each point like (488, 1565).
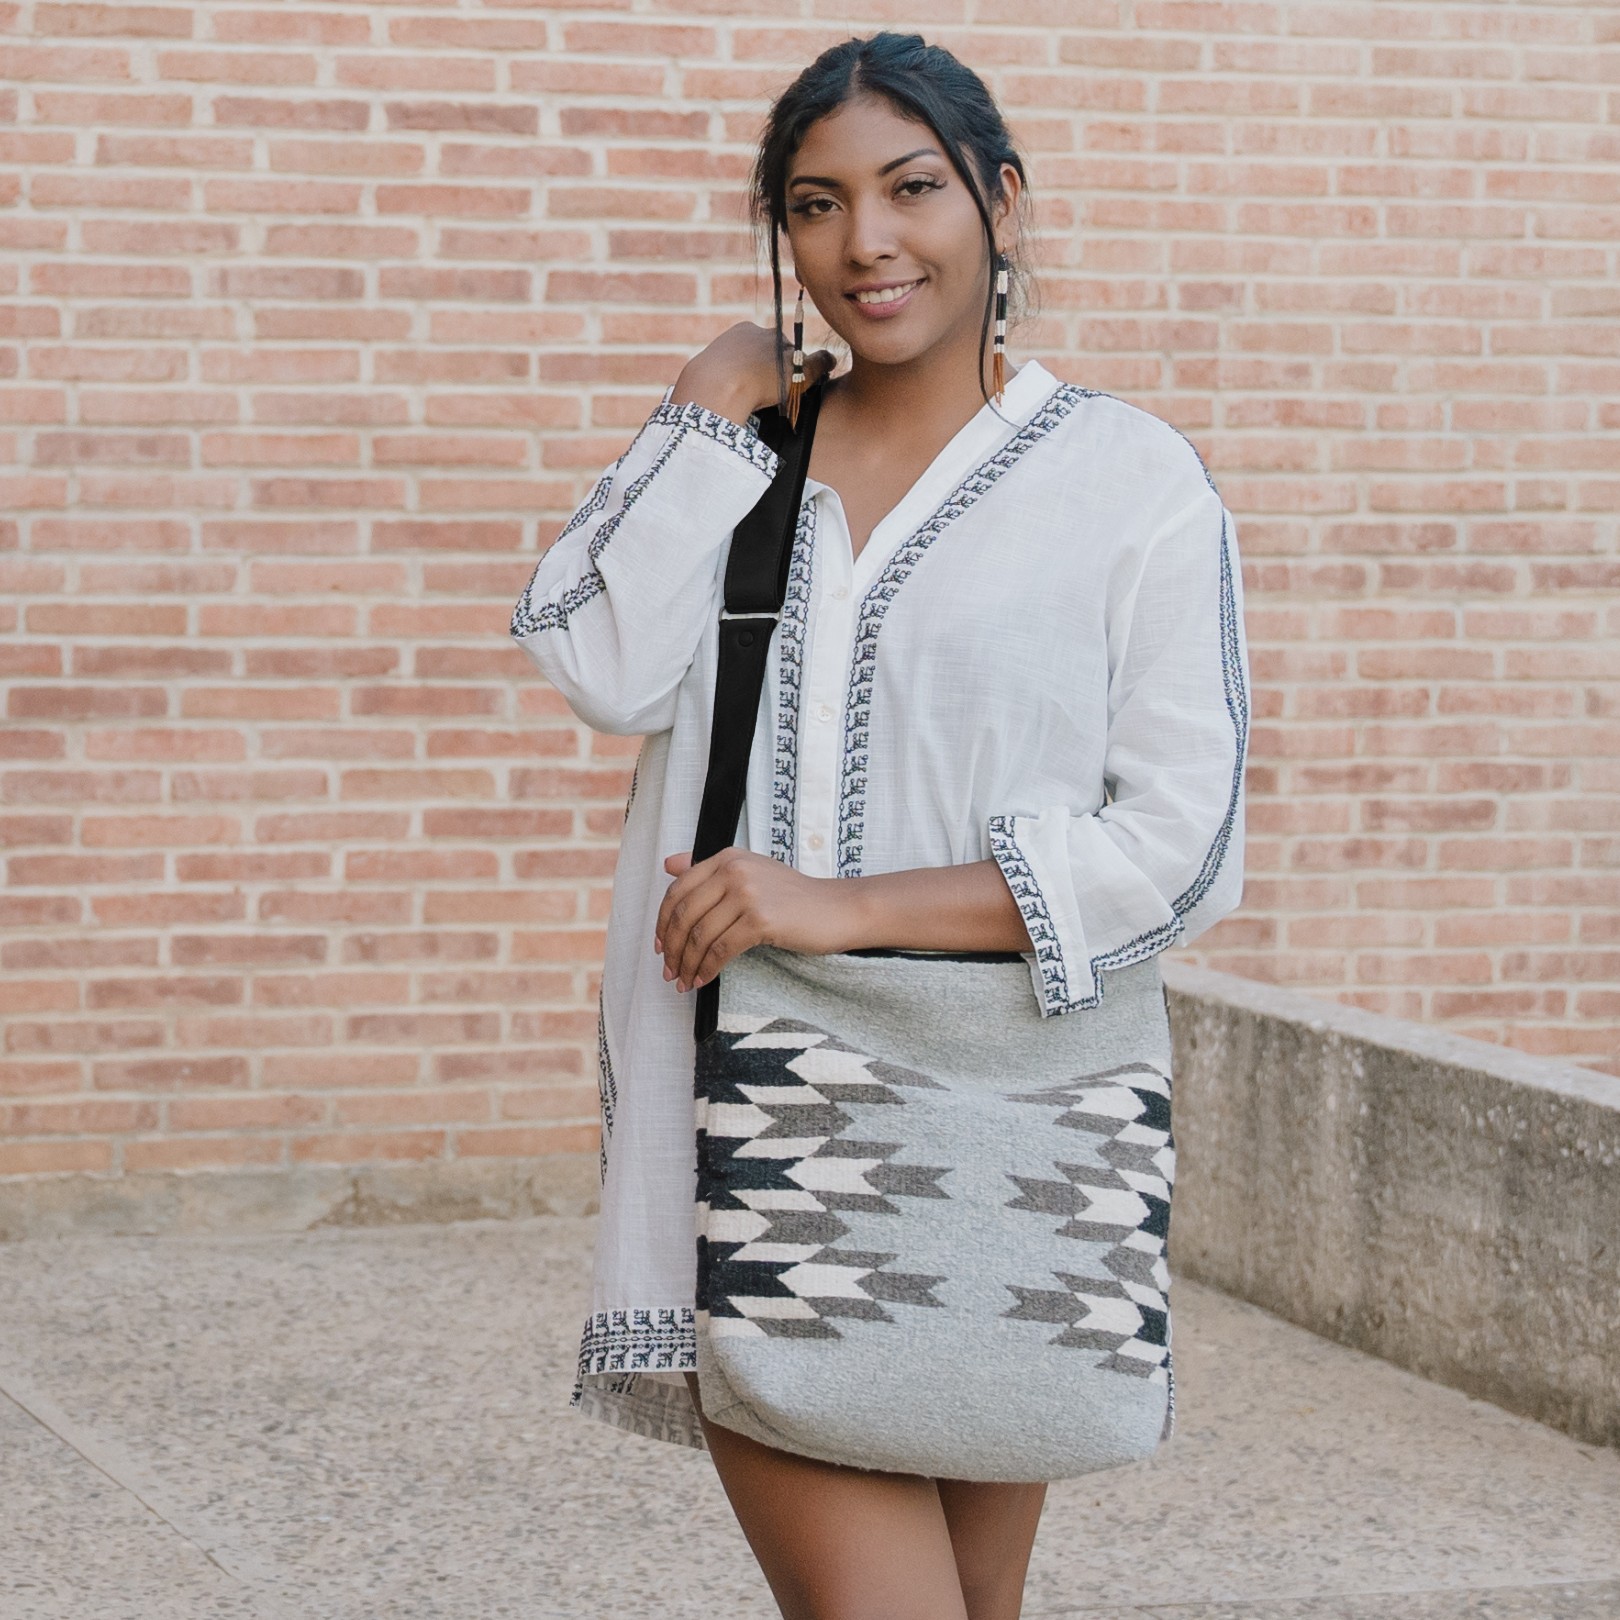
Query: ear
(1005, 211)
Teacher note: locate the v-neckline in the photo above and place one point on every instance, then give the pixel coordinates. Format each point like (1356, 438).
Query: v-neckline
(977, 438)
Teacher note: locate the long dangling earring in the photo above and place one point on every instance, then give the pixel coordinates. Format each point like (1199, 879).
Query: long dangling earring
(796, 386)
(998, 366)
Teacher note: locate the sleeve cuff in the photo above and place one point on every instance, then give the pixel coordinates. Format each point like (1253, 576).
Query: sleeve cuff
(1088, 909)
(736, 437)
(1033, 855)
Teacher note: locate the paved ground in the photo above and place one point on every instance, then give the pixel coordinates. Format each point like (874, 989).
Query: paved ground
(358, 1424)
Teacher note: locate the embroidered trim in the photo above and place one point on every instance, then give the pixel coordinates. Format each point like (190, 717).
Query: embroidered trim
(654, 1340)
(858, 710)
(1025, 888)
(1237, 706)
(531, 617)
(607, 1089)
(1043, 934)
(735, 436)
(790, 680)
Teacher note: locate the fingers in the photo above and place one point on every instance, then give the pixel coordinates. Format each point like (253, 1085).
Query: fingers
(709, 914)
(687, 902)
(680, 868)
(698, 921)
(713, 939)
(819, 366)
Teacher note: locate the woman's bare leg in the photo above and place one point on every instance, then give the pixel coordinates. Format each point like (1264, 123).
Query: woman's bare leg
(843, 1544)
(992, 1535)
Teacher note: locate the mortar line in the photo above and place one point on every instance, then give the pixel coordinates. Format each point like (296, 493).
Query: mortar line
(112, 1461)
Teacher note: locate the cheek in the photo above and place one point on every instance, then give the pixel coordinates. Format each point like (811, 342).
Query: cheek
(955, 252)
(815, 263)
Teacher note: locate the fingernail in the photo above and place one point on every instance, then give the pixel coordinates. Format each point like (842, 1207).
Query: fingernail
(668, 975)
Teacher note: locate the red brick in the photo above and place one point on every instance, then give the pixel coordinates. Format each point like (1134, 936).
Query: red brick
(327, 1070)
(413, 1108)
(54, 1158)
(1387, 323)
(360, 1147)
(330, 989)
(163, 832)
(245, 950)
(197, 1153)
(303, 906)
(38, 1079)
(251, 867)
(513, 1063)
(238, 67)
(231, 786)
(526, 1141)
(66, 871)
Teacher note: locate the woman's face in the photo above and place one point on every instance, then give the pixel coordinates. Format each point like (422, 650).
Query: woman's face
(886, 238)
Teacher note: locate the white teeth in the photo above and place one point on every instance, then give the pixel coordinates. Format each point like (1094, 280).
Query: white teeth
(887, 295)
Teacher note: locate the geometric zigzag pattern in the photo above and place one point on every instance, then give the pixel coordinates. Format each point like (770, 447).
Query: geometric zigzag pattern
(776, 1169)
(1127, 1205)
(774, 1172)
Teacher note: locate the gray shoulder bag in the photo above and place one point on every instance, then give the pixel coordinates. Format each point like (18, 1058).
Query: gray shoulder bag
(931, 1223)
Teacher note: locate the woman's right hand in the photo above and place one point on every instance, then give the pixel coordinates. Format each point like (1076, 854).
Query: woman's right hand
(737, 374)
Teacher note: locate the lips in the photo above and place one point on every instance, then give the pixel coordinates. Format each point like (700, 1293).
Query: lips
(879, 298)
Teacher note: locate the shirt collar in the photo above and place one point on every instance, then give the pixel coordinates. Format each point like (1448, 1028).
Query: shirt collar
(983, 434)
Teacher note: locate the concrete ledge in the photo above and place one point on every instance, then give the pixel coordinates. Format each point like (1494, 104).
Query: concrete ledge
(298, 1199)
(1445, 1204)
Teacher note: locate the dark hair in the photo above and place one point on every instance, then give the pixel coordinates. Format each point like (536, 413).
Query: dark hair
(924, 82)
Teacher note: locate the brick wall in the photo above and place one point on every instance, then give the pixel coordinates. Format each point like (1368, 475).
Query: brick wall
(318, 318)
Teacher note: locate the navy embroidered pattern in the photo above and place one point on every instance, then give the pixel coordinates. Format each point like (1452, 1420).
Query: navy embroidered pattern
(790, 678)
(531, 616)
(734, 436)
(638, 1341)
(606, 1087)
(858, 710)
(1026, 891)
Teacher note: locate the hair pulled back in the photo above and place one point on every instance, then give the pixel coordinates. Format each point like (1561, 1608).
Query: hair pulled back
(922, 82)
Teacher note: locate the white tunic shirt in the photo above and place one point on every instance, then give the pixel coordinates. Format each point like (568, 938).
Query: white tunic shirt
(1038, 657)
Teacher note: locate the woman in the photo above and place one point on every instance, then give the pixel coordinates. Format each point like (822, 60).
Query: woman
(1006, 712)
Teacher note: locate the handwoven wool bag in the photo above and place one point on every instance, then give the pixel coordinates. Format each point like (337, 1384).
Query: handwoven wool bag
(931, 1223)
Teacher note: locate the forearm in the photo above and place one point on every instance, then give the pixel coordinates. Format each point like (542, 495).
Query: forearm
(736, 900)
(942, 908)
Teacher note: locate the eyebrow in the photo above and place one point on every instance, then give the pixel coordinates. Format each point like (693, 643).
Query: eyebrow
(826, 180)
(922, 151)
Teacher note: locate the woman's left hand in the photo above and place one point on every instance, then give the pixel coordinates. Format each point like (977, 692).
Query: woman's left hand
(736, 900)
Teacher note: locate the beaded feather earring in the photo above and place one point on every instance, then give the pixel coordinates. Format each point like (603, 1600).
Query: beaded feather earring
(796, 386)
(998, 365)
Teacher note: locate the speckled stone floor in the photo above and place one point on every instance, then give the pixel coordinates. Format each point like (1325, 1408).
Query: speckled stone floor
(372, 1425)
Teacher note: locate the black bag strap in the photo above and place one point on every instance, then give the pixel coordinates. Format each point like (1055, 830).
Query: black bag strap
(755, 589)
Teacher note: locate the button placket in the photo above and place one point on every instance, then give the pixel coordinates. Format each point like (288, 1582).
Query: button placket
(830, 646)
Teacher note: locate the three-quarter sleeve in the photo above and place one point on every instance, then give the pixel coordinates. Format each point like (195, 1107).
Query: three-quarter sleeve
(1162, 859)
(617, 608)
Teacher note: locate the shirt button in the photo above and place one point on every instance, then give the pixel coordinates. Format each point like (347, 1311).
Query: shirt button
(840, 593)
(814, 841)
(824, 712)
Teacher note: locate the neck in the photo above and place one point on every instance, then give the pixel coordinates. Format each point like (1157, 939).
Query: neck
(935, 388)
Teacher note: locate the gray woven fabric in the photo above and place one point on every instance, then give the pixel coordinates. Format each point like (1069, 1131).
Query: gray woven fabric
(932, 1223)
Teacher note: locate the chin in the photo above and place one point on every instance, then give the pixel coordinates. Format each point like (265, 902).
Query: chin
(886, 348)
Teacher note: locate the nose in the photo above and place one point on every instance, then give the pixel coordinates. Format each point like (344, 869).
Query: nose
(871, 233)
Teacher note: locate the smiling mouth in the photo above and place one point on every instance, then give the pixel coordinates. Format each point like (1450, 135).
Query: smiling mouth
(887, 295)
